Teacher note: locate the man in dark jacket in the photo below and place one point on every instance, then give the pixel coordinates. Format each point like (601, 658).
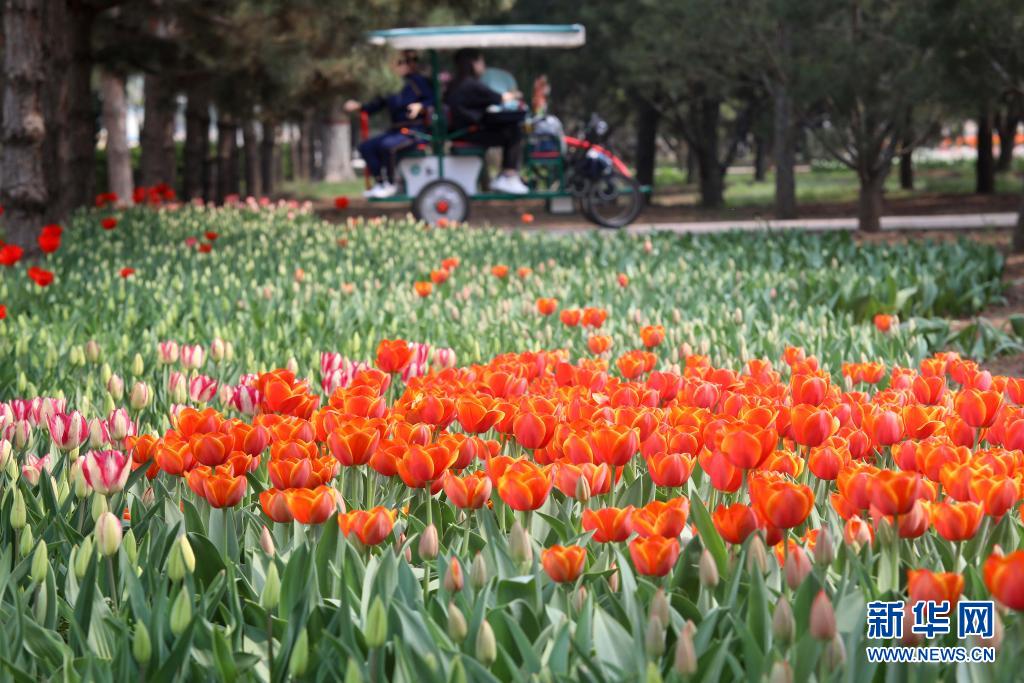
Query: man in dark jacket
(472, 104)
(408, 109)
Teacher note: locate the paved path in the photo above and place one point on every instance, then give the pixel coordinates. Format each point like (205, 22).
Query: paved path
(969, 221)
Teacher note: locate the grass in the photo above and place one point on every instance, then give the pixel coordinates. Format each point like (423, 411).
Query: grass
(319, 190)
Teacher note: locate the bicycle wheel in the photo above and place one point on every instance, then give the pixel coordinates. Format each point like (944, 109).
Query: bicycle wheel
(613, 201)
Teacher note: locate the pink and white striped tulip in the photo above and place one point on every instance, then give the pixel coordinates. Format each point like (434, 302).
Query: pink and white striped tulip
(202, 389)
(444, 357)
(68, 430)
(106, 471)
(99, 435)
(168, 352)
(34, 466)
(246, 399)
(119, 424)
(192, 356)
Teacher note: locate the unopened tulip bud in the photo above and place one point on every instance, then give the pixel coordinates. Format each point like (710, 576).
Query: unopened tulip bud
(108, 534)
(181, 612)
(354, 675)
(271, 595)
(613, 578)
(115, 387)
(83, 558)
(131, 547)
(98, 506)
(707, 570)
(782, 672)
(229, 351)
(142, 647)
(654, 638)
(40, 563)
(138, 365)
(796, 567)
(824, 551)
(267, 541)
(292, 365)
(834, 654)
(181, 559)
(486, 646)
(22, 433)
(519, 546)
(5, 453)
(478, 572)
(583, 490)
(996, 641)
(300, 655)
(453, 580)
(579, 598)
(428, 547)
(823, 618)
(783, 622)
(457, 627)
(757, 559)
(217, 350)
(19, 513)
(119, 424)
(686, 653)
(92, 351)
(376, 632)
(659, 607)
(28, 540)
(139, 396)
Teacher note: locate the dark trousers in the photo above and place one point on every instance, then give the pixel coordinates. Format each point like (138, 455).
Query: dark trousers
(379, 153)
(507, 136)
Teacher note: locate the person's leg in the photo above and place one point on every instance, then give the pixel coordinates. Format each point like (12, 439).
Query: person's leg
(511, 149)
(391, 144)
(370, 150)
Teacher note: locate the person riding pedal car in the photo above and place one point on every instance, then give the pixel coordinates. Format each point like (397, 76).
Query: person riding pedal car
(407, 109)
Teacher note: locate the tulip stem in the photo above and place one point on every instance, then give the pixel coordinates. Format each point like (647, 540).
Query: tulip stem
(110, 580)
(270, 643)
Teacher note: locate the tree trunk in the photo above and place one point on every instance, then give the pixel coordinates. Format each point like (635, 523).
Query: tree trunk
(869, 203)
(646, 142)
(227, 158)
(268, 155)
(253, 182)
(691, 164)
(157, 164)
(907, 170)
(77, 175)
(711, 173)
(985, 170)
(56, 94)
(784, 151)
(1018, 231)
(1007, 125)
(304, 171)
(337, 144)
(195, 175)
(115, 119)
(22, 183)
(760, 159)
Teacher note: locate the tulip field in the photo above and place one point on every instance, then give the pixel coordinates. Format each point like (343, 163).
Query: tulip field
(242, 443)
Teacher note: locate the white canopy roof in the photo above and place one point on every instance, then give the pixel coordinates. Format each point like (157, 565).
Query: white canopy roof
(457, 37)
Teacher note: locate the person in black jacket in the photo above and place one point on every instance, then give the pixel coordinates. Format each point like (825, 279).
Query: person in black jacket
(407, 109)
(472, 104)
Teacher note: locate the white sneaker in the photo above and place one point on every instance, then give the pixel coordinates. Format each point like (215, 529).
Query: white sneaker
(509, 184)
(381, 191)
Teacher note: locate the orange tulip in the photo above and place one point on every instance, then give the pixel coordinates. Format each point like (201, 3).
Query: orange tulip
(370, 526)
(654, 555)
(610, 525)
(420, 466)
(275, 505)
(471, 491)
(735, 522)
(293, 449)
(211, 449)
(930, 391)
(597, 475)
(499, 271)
(808, 388)
(570, 317)
(533, 429)
(811, 425)
(1004, 578)
(894, 493)
(599, 344)
(857, 532)
(926, 585)
(423, 288)
(997, 494)
(652, 335)
(173, 456)
(393, 355)
(978, 408)
(661, 518)
(223, 489)
(885, 427)
(547, 306)
(782, 503)
(613, 444)
(311, 506)
(563, 564)
(883, 322)
(354, 442)
(956, 521)
(477, 415)
(670, 469)
(250, 439)
(746, 445)
(439, 276)
(289, 474)
(524, 485)
(594, 317)
(826, 461)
